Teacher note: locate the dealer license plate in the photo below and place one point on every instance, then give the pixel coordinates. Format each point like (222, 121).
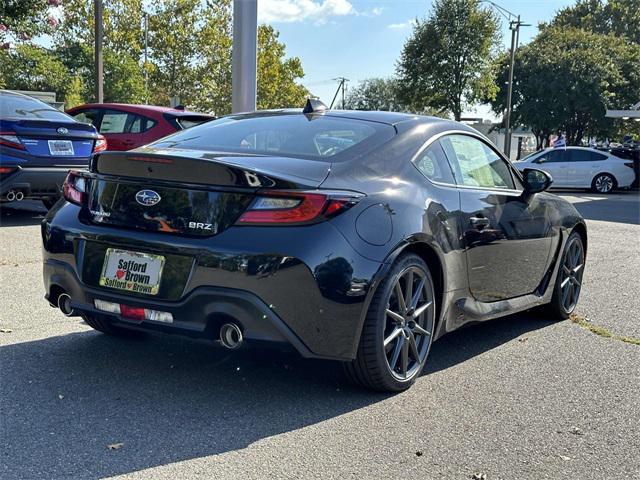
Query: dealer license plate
(63, 148)
(132, 271)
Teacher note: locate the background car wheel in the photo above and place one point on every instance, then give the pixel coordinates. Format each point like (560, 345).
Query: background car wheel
(398, 329)
(569, 282)
(104, 326)
(603, 183)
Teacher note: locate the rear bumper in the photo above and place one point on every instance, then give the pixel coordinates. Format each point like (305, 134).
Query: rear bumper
(199, 314)
(303, 286)
(35, 182)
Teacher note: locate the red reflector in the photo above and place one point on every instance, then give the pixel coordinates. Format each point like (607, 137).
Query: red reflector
(310, 206)
(133, 313)
(6, 169)
(335, 206)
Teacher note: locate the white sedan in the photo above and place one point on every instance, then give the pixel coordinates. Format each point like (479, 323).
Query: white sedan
(581, 167)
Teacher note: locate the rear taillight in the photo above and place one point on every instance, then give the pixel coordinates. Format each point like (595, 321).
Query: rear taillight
(100, 145)
(7, 170)
(74, 188)
(133, 313)
(10, 139)
(292, 207)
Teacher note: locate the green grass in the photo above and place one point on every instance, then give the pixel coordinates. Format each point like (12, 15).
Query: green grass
(602, 331)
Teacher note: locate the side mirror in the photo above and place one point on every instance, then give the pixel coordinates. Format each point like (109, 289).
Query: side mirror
(536, 181)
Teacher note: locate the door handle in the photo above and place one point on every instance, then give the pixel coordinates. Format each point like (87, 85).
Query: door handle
(479, 222)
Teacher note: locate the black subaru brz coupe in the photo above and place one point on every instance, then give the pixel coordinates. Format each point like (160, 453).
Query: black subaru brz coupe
(347, 235)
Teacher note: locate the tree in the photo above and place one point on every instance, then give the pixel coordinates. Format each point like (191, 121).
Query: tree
(447, 61)
(375, 94)
(567, 78)
(24, 19)
(617, 17)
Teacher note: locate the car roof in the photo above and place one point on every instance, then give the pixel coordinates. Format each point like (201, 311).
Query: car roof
(136, 108)
(389, 118)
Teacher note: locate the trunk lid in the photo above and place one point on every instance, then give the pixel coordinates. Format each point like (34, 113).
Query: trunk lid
(56, 143)
(186, 192)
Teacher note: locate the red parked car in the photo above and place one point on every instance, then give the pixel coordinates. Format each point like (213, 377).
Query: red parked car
(128, 126)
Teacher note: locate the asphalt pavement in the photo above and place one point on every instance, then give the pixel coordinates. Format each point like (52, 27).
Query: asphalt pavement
(515, 398)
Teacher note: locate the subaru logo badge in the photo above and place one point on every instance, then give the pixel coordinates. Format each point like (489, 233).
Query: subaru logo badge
(148, 198)
(62, 131)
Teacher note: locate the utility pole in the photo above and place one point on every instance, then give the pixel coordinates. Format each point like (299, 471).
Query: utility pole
(515, 36)
(514, 26)
(98, 32)
(245, 50)
(341, 88)
(146, 71)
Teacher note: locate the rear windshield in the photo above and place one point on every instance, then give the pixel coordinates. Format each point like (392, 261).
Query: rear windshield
(17, 106)
(296, 135)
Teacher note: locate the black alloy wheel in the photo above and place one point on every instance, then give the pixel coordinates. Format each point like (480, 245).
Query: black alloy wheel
(569, 282)
(398, 329)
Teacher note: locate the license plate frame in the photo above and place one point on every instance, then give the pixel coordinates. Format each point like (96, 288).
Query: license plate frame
(61, 148)
(140, 272)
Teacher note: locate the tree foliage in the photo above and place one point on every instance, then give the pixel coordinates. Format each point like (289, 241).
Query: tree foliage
(189, 56)
(567, 78)
(24, 19)
(375, 94)
(447, 61)
(616, 17)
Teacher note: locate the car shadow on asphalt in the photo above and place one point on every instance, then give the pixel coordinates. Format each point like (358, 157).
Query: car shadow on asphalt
(31, 213)
(65, 400)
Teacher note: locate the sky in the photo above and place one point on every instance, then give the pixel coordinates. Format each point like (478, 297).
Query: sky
(360, 39)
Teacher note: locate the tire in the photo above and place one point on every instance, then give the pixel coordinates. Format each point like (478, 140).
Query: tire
(106, 327)
(569, 279)
(394, 347)
(604, 183)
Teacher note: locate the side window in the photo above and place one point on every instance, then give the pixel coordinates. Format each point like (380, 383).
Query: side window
(87, 116)
(113, 122)
(433, 164)
(552, 156)
(575, 155)
(475, 164)
(597, 157)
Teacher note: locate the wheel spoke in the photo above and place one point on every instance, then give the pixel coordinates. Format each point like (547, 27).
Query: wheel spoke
(566, 270)
(414, 347)
(565, 281)
(577, 268)
(565, 293)
(396, 353)
(405, 357)
(420, 310)
(416, 296)
(408, 295)
(401, 302)
(420, 331)
(396, 316)
(397, 331)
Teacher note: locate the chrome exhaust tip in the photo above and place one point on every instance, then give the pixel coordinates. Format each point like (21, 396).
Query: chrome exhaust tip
(11, 196)
(19, 196)
(231, 336)
(64, 304)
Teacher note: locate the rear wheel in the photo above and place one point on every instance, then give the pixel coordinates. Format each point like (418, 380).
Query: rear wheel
(569, 282)
(603, 183)
(398, 329)
(98, 323)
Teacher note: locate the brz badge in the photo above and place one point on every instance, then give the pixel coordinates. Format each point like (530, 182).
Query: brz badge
(148, 198)
(201, 226)
(62, 131)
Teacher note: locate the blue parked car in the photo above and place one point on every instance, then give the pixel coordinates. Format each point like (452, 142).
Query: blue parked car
(38, 146)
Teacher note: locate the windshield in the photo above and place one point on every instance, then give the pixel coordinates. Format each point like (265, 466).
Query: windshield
(298, 135)
(18, 106)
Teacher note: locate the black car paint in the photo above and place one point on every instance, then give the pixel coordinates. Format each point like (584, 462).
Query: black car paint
(313, 283)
